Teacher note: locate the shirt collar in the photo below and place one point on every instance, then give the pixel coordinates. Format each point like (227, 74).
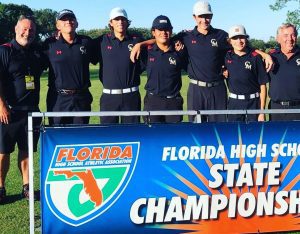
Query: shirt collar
(196, 32)
(171, 47)
(18, 46)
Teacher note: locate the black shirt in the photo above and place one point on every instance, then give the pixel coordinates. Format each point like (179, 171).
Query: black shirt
(69, 63)
(20, 71)
(206, 53)
(246, 72)
(116, 69)
(285, 77)
(163, 70)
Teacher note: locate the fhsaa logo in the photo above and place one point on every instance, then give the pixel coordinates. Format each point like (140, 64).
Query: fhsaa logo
(84, 181)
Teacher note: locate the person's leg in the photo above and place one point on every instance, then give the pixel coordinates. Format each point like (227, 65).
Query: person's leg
(23, 164)
(174, 104)
(131, 102)
(216, 99)
(195, 101)
(81, 102)
(110, 102)
(4, 166)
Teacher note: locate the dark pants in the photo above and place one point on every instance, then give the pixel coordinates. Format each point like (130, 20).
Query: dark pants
(70, 103)
(50, 102)
(204, 98)
(157, 103)
(237, 104)
(17, 132)
(120, 102)
(283, 117)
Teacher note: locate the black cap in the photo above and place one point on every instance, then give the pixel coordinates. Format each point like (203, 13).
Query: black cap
(162, 22)
(65, 12)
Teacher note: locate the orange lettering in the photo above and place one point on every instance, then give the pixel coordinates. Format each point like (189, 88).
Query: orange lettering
(106, 150)
(70, 155)
(96, 153)
(127, 153)
(62, 154)
(115, 152)
(83, 154)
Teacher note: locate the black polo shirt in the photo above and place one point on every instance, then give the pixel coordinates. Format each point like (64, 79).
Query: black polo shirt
(246, 72)
(69, 63)
(116, 69)
(163, 70)
(17, 67)
(206, 53)
(285, 77)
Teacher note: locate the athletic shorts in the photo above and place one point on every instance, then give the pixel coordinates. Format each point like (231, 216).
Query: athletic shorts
(16, 133)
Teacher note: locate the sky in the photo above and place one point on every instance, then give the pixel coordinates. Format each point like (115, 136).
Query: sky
(259, 20)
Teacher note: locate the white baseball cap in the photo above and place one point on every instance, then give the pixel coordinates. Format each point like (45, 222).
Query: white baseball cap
(202, 8)
(117, 12)
(237, 30)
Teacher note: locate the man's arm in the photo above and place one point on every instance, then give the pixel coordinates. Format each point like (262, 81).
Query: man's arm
(263, 95)
(267, 58)
(4, 109)
(136, 50)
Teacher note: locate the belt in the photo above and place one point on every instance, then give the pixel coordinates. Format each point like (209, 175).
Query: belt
(205, 84)
(168, 97)
(244, 97)
(23, 108)
(121, 91)
(71, 91)
(288, 103)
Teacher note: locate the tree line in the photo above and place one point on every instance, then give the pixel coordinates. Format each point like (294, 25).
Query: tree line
(45, 20)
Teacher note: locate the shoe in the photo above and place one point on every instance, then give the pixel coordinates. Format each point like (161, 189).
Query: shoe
(25, 191)
(2, 194)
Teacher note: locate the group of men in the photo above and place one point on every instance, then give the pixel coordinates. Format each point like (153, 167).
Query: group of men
(68, 55)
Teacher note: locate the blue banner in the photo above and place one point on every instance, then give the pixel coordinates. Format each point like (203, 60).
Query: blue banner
(181, 178)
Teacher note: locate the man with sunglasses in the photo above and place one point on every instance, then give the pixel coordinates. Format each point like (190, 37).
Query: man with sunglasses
(119, 76)
(69, 57)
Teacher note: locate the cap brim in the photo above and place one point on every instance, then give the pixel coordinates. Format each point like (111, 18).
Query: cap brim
(162, 28)
(67, 14)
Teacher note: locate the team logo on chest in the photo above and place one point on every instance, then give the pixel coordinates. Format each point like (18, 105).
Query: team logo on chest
(214, 43)
(248, 65)
(172, 61)
(82, 49)
(130, 47)
(298, 62)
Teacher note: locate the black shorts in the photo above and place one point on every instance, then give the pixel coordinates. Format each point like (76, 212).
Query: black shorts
(17, 132)
(157, 103)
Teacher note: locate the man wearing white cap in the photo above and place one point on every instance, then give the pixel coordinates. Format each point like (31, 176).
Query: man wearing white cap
(119, 76)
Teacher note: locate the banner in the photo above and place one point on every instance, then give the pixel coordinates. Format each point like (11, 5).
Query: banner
(171, 178)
